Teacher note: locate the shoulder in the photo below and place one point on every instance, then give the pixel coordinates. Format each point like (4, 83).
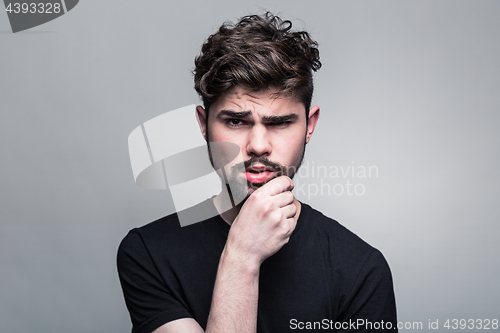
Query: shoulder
(138, 241)
(160, 228)
(360, 272)
(163, 226)
(166, 236)
(346, 251)
(333, 234)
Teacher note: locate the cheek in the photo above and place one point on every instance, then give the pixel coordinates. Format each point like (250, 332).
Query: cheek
(289, 149)
(215, 132)
(221, 136)
(220, 133)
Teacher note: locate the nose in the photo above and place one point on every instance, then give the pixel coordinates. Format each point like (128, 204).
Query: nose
(258, 143)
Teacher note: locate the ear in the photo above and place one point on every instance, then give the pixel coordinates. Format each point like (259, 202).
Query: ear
(313, 119)
(201, 116)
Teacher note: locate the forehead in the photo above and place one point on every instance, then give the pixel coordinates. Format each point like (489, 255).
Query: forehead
(266, 101)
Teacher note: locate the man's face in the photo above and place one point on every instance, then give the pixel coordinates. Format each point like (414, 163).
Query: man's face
(270, 132)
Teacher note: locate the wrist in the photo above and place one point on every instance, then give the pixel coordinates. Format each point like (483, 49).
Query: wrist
(242, 262)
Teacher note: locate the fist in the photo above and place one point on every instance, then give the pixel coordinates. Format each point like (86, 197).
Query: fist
(265, 221)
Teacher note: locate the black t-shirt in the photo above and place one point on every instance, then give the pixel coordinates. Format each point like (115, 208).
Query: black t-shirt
(325, 279)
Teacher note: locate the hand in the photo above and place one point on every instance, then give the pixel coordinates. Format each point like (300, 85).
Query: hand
(264, 223)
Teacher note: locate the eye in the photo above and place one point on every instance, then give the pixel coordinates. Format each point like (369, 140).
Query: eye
(281, 124)
(235, 122)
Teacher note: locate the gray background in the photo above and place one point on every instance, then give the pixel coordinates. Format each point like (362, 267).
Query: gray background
(411, 87)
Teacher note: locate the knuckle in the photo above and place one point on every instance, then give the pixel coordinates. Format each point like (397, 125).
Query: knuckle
(276, 187)
(268, 206)
(287, 229)
(276, 218)
(279, 216)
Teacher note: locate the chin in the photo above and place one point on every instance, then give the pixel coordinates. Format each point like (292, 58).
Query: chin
(252, 188)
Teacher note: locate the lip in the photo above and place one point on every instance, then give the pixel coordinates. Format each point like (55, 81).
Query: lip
(258, 168)
(258, 174)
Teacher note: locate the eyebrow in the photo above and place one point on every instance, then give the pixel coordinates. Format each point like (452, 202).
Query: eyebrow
(268, 119)
(280, 119)
(234, 114)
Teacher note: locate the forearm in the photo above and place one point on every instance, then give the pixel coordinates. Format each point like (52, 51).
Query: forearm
(235, 296)
(263, 225)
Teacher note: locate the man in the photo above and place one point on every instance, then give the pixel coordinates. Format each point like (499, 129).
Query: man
(271, 263)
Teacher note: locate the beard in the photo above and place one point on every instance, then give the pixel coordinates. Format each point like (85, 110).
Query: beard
(239, 188)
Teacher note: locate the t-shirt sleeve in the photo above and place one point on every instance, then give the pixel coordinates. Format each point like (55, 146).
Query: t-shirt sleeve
(149, 299)
(371, 303)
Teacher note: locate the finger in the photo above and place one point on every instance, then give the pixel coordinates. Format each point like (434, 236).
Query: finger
(277, 185)
(293, 224)
(284, 199)
(289, 211)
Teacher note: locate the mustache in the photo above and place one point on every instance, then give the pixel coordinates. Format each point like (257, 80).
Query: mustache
(264, 161)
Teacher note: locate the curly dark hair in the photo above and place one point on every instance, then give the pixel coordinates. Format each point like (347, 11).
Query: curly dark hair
(258, 52)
